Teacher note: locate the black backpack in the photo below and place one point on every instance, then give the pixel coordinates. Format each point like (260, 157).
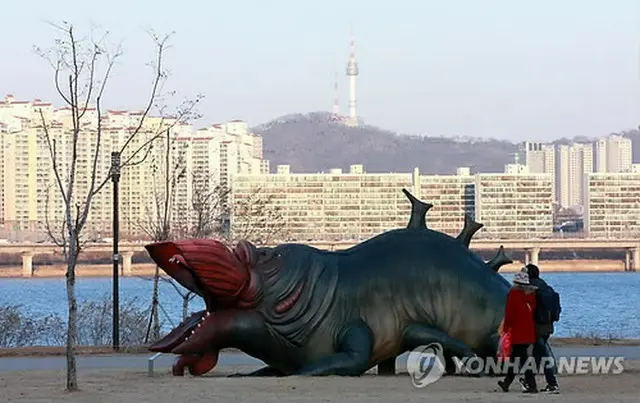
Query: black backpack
(547, 305)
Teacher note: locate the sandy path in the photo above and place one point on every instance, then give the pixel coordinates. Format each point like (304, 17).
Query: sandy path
(126, 386)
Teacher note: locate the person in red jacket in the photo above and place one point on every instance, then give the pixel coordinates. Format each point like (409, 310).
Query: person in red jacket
(519, 321)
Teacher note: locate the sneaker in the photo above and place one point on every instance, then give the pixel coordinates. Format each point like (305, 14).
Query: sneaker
(522, 383)
(551, 389)
(503, 385)
(525, 387)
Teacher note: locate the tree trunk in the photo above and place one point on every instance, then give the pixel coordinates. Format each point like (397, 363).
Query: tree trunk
(155, 301)
(72, 324)
(185, 305)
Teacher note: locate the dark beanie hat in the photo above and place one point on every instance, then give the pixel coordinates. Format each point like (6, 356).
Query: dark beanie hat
(533, 270)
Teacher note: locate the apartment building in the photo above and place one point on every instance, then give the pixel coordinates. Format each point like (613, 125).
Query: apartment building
(330, 206)
(575, 162)
(540, 158)
(514, 205)
(30, 194)
(355, 206)
(613, 154)
(612, 208)
(452, 196)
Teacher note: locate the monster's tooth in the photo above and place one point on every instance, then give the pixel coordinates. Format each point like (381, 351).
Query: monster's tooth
(208, 313)
(199, 325)
(193, 331)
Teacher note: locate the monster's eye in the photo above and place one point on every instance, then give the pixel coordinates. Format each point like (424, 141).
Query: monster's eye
(264, 255)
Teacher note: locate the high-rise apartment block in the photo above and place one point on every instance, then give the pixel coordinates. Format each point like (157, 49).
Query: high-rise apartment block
(515, 205)
(198, 160)
(612, 205)
(540, 158)
(452, 196)
(329, 206)
(575, 162)
(358, 205)
(613, 154)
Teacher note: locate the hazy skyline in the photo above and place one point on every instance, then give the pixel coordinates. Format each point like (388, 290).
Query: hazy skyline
(503, 69)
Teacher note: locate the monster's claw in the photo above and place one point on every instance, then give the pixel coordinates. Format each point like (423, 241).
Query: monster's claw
(177, 369)
(197, 364)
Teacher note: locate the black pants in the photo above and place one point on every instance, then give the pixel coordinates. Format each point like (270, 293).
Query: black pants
(519, 355)
(542, 350)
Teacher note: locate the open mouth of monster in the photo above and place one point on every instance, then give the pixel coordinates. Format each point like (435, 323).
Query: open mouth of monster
(220, 275)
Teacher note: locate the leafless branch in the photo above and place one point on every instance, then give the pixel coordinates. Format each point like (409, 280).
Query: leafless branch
(257, 218)
(61, 241)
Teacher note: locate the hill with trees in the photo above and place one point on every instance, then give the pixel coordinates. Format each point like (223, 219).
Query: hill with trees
(316, 142)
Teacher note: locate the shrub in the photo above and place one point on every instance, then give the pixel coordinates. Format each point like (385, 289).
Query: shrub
(19, 329)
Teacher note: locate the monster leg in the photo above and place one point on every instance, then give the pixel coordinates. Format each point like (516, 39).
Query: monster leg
(355, 343)
(418, 335)
(265, 371)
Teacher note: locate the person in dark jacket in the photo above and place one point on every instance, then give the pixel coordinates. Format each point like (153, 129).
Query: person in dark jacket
(519, 321)
(542, 349)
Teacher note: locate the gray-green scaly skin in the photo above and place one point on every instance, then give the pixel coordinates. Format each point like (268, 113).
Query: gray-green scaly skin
(399, 278)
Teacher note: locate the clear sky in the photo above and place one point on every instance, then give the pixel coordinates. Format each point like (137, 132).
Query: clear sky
(487, 68)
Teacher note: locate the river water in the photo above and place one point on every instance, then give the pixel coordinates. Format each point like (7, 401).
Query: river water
(593, 304)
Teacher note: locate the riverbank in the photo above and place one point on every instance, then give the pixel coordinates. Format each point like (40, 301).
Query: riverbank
(91, 270)
(147, 270)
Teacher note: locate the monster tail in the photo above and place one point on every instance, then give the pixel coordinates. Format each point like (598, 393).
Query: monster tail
(469, 230)
(418, 211)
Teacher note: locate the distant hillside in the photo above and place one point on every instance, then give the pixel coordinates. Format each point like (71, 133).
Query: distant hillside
(313, 143)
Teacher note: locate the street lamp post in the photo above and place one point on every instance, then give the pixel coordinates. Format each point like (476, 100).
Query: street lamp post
(115, 177)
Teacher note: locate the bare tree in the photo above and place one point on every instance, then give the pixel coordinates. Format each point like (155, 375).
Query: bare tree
(167, 219)
(257, 218)
(203, 219)
(169, 170)
(82, 68)
(206, 209)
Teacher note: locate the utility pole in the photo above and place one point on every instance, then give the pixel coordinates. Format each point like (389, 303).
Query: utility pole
(115, 177)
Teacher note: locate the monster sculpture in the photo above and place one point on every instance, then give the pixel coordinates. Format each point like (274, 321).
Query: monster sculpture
(306, 311)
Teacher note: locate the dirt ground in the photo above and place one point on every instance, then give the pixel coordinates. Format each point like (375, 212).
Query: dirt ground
(105, 386)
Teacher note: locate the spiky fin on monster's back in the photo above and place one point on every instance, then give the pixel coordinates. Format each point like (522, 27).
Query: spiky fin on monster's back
(419, 210)
(418, 220)
(469, 230)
